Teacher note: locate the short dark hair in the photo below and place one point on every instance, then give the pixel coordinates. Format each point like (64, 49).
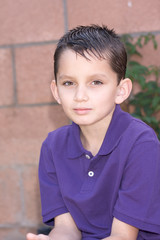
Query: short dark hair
(95, 40)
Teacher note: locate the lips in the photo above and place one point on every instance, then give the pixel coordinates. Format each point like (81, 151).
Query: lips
(82, 111)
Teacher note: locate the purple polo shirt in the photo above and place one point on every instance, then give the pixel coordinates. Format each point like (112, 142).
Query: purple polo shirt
(122, 180)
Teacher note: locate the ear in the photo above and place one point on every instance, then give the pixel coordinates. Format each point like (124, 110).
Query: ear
(54, 91)
(123, 91)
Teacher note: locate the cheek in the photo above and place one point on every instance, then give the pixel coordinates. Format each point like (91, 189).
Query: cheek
(106, 95)
(66, 99)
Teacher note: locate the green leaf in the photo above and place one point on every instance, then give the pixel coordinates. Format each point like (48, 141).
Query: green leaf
(146, 103)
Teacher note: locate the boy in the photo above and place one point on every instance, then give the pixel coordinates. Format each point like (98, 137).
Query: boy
(100, 176)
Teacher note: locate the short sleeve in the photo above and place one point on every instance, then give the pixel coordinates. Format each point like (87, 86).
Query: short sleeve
(138, 202)
(51, 199)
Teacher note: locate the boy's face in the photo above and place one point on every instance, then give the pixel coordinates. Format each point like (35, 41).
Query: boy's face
(86, 89)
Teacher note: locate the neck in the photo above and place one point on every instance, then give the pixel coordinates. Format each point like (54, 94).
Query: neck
(92, 136)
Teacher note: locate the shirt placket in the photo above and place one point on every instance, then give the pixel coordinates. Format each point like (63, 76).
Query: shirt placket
(90, 175)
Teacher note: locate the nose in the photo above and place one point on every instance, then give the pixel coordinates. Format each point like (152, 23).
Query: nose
(81, 94)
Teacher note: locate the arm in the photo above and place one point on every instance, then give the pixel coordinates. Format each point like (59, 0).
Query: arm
(122, 231)
(64, 229)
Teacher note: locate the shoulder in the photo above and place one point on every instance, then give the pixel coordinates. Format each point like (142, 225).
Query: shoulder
(142, 145)
(58, 137)
(141, 131)
(138, 136)
(129, 130)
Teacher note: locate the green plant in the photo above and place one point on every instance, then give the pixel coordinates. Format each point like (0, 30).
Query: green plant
(146, 103)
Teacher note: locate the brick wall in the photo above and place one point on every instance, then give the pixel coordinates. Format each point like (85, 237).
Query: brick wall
(29, 30)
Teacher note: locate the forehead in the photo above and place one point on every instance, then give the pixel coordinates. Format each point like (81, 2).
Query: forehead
(86, 54)
(71, 61)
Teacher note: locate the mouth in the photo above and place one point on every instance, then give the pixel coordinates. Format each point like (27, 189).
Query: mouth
(82, 111)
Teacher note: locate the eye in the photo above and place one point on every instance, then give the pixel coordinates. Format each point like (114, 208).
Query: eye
(97, 82)
(67, 83)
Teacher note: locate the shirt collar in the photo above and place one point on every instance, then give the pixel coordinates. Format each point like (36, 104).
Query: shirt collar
(118, 125)
(75, 147)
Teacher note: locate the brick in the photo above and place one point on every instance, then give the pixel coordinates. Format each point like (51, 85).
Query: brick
(23, 230)
(143, 16)
(23, 131)
(15, 233)
(30, 21)
(32, 212)
(124, 16)
(94, 11)
(34, 66)
(6, 82)
(10, 198)
(8, 234)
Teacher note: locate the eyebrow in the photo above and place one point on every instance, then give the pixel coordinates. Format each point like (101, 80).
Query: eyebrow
(98, 75)
(65, 76)
(90, 76)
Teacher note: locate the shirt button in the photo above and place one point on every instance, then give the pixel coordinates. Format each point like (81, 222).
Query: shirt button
(87, 156)
(90, 173)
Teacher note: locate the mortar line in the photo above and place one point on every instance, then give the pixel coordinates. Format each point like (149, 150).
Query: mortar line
(28, 44)
(137, 34)
(29, 105)
(65, 15)
(14, 76)
(22, 198)
(18, 226)
(18, 166)
(36, 104)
